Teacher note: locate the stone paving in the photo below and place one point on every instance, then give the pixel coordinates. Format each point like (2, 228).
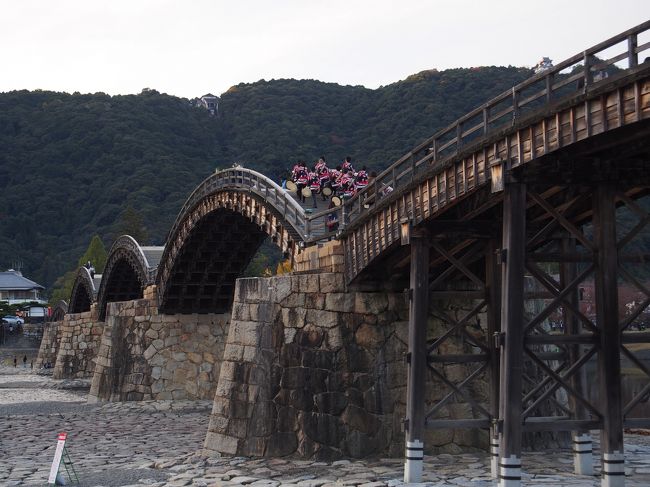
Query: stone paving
(158, 443)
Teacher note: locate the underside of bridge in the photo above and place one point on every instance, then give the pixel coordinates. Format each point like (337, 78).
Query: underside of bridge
(213, 256)
(123, 283)
(83, 293)
(620, 156)
(81, 297)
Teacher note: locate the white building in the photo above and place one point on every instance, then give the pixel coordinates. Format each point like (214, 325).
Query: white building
(16, 289)
(210, 103)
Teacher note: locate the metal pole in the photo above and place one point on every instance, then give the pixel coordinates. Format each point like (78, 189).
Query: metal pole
(512, 325)
(609, 358)
(417, 356)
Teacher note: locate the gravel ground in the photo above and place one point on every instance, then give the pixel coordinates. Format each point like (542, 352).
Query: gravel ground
(158, 443)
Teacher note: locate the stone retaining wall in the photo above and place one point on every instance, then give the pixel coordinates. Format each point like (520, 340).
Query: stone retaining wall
(80, 334)
(50, 341)
(323, 257)
(144, 355)
(312, 369)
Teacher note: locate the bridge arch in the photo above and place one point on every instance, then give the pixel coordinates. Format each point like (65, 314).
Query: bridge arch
(217, 233)
(126, 274)
(84, 292)
(59, 311)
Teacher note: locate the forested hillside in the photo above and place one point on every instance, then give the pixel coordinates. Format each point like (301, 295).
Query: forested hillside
(72, 164)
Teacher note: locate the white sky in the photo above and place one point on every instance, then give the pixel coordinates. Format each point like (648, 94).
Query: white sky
(192, 47)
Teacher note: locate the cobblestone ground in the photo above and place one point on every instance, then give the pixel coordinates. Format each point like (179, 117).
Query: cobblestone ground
(158, 443)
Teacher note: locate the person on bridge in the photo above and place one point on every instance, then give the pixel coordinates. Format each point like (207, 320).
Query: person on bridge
(335, 179)
(347, 164)
(361, 179)
(324, 179)
(301, 179)
(314, 186)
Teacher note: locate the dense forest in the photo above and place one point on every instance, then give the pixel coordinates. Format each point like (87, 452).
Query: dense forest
(77, 165)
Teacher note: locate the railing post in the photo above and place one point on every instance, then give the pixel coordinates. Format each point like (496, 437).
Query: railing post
(307, 228)
(515, 105)
(586, 59)
(412, 167)
(549, 87)
(435, 149)
(486, 116)
(632, 55)
(459, 136)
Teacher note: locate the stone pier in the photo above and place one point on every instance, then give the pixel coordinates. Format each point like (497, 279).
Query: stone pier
(80, 334)
(50, 342)
(313, 369)
(144, 355)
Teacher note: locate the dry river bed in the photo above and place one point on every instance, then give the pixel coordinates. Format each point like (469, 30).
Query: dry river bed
(158, 443)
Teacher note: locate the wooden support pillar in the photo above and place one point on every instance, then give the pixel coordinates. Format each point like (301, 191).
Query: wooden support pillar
(583, 462)
(417, 355)
(609, 358)
(493, 289)
(512, 325)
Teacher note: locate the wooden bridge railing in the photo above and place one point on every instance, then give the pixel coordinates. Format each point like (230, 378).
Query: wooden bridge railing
(565, 80)
(247, 179)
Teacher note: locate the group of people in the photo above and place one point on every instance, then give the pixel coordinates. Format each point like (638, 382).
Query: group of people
(341, 182)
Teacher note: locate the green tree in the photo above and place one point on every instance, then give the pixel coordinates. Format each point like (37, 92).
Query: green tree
(62, 288)
(131, 223)
(96, 254)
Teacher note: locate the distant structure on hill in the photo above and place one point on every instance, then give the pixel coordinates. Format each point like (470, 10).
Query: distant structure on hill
(544, 64)
(210, 103)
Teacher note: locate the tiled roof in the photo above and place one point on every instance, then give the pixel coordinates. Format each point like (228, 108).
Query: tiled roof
(12, 280)
(153, 255)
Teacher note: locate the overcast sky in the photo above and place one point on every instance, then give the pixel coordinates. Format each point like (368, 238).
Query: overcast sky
(192, 47)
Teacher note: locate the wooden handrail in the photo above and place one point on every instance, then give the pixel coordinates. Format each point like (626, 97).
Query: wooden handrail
(553, 80)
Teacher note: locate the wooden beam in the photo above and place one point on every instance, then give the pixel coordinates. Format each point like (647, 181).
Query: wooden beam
(417, 355)
(609, 359)
(512, 324)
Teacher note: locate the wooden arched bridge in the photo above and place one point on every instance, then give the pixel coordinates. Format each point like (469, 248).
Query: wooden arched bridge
(514, 202)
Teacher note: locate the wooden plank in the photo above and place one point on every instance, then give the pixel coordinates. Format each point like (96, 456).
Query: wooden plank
(554, 423)
(637, 101)
(619, 107)
(436, 424)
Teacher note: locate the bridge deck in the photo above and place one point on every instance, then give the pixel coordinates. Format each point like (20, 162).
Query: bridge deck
(433, 188)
